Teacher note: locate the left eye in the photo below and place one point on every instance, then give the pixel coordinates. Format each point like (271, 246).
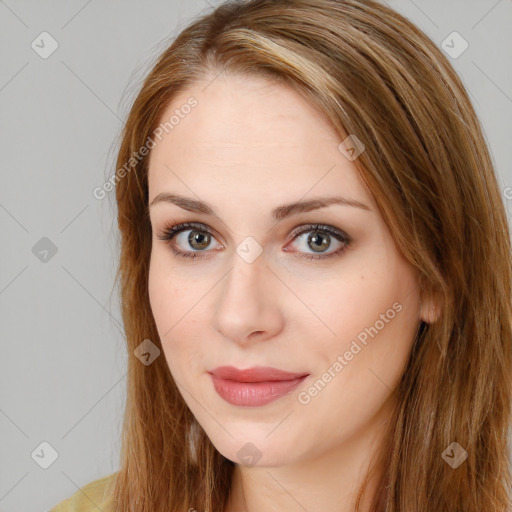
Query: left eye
(200, 237)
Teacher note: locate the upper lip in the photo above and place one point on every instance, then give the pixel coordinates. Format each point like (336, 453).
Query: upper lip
(256, 374)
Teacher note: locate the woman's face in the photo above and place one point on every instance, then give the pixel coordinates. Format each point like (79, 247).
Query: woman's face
(250, 296)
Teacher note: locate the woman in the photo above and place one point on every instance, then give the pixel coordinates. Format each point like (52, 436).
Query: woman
(314, 237)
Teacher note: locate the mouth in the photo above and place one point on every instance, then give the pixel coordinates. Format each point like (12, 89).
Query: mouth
(254, 386)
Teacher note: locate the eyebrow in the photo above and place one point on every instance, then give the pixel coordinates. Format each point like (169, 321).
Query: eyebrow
(279, 213)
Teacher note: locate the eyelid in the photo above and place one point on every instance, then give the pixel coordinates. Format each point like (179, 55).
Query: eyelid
(326, 228)
(178, 227)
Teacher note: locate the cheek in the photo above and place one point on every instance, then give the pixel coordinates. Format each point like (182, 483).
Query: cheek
(370, 310)
(167, 295)
(158, 289)
(359, 366)
(171, 301)
(348, 303)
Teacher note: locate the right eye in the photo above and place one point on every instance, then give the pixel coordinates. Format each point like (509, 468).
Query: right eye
(200, 235)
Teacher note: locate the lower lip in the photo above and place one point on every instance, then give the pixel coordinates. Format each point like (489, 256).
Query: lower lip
(253, 393)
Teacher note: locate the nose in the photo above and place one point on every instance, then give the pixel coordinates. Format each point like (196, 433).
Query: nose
(248, 303)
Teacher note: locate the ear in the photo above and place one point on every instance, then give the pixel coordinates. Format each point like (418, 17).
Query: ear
(430, 308)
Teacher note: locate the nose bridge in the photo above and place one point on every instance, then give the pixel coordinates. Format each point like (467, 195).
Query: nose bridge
(245, 304)
(242, 282)
(248, 267)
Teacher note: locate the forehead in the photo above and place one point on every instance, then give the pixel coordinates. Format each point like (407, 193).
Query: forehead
(250, 133)
(234, 111)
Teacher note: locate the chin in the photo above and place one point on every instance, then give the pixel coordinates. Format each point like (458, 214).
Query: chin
(253, 448)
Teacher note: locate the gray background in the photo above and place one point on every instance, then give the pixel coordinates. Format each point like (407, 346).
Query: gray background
(63, 359)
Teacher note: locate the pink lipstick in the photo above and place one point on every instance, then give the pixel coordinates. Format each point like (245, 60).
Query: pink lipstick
(254, 386)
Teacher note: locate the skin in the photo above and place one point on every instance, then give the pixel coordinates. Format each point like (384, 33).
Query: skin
(249, 146)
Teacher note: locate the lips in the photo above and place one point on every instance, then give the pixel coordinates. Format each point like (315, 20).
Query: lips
(255, 386)
(256, 374)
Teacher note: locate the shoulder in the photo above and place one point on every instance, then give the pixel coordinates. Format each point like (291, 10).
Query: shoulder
(93, 496)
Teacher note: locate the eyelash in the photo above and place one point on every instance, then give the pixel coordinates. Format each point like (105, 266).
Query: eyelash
(169, 232)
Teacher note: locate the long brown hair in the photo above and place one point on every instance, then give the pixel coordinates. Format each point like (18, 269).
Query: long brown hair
(370, 72)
